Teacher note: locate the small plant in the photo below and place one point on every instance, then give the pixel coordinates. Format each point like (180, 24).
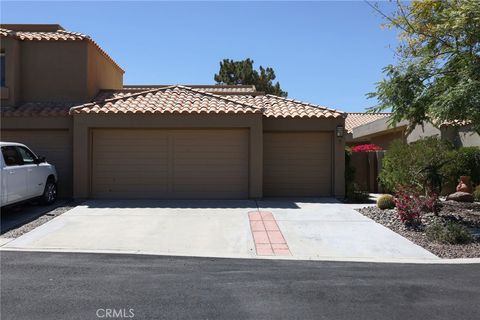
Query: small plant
(386, 201)
(450, 233)
(409, 205)
(476, 193)
(431, 203)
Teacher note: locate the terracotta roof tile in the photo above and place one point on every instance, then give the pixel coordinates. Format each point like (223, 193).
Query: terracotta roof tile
(174, 99)
(217, 88)
(356, 119)
(279, 107)
(37, 109)
(178, 99)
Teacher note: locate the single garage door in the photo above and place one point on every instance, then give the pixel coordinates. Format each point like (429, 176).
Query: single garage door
(170, 164)
(55, 145)
(297, 164)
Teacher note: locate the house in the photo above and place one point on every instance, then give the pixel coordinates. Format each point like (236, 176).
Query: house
(358, 119)
(64, 97)
(375, 128)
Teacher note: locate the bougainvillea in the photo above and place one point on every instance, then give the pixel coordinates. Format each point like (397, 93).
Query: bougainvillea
(366, 148)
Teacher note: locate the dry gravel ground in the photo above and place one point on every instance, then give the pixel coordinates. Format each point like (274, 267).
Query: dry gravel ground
(467, 214)
(20, 230)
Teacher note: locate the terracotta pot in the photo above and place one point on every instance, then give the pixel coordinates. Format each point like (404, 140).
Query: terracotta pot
(465, 185)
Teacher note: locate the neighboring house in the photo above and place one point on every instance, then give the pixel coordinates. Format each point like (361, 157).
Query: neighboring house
(64, 97)
(375, 128)
(357, 119)
(366, 128)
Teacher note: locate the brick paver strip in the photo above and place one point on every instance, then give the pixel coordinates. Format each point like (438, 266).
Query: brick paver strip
(267, 236)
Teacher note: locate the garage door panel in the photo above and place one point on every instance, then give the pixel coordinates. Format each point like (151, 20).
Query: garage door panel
(55, 145)
(174, 164)
(297, 164)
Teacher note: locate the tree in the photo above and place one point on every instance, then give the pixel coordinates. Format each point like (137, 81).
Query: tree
(437, 77)
(242, 72)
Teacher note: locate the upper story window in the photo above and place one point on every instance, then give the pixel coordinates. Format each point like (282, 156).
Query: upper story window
(2, 68)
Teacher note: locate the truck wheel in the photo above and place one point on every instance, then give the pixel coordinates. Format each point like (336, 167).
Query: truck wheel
(50, 193)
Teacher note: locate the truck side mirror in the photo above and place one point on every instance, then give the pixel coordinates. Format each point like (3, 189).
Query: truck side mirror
(40, 160)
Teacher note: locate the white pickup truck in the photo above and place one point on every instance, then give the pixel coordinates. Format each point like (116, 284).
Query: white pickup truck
(25, 176)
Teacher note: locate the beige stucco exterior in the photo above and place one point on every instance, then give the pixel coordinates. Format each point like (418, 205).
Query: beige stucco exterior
(51, 137)
(381, 133)
(81, 126)
(74, 71)
(56, 71)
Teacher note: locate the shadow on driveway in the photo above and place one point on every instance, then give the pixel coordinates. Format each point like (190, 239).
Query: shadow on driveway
(18, 215)
(280, 203)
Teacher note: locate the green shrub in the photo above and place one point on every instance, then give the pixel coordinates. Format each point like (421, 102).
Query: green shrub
(385, 201)
(451, 233)
(476, 193)
(463, 162)
(418, 164)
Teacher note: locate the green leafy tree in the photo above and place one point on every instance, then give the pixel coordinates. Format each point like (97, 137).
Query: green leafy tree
(242, 72)
(437, 77)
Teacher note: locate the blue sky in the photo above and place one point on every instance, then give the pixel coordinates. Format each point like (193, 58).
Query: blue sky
(329, 53)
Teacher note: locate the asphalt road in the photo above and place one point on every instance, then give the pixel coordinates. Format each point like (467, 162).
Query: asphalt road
(85, 286)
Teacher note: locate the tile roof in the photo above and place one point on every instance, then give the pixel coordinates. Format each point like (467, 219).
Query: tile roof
(43, 35)
(37, 109)
(178, 99)
(215, 88)
(173, 99)
(355, 119)
(58, 35)
(278, 107)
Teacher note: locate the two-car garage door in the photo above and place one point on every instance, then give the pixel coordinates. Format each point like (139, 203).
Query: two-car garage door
(207, 164)
(170, 164)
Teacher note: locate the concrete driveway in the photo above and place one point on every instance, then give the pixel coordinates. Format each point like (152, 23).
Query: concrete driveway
(321, 229)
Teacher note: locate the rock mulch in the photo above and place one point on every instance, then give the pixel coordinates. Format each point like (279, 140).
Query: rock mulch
(17, 232)
(467, 214)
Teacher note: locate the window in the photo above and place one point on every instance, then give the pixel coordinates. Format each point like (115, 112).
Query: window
(27, 156)
(11, 156)
(2, 68)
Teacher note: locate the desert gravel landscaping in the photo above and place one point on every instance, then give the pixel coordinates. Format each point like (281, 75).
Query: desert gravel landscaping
(467, 214)
(27, 227)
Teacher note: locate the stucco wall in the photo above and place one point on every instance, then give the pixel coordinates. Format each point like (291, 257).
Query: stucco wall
(101, 72)
(47, 136)
(11, 91)
(385, 139)
(56, 71)
(468, 138)
(53, 71)
(419, 132)
(460, 136)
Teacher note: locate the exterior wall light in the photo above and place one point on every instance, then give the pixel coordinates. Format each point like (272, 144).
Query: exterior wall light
(339, 131)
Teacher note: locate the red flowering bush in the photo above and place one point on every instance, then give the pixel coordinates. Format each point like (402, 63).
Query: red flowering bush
(411, 204)
(366, 148)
